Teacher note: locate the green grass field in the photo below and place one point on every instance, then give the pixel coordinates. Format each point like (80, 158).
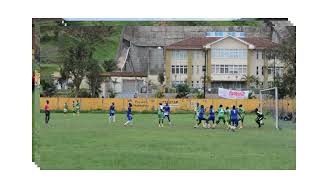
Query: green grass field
(90, 142)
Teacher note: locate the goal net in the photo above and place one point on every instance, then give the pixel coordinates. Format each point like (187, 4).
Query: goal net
(269, 104)
(281, 111)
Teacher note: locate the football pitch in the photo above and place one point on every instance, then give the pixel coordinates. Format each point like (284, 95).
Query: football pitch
(90, 142)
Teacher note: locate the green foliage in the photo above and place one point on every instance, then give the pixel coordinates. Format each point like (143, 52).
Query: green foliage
(48, 87)
(182, 90)
(161, 78)
(83, 93)
(112, 93)
(159, 94)
(200, 95)
(109, 65)
(100, 145)
(286, 52)
(94, 79)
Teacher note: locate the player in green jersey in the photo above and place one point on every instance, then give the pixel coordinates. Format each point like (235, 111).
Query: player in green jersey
(74, 108)
(78, 107)
(221, 113)
(160, 115)
(196, 112)
(241, 114)
(65, 108)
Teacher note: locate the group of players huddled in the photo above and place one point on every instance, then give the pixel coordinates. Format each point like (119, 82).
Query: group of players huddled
(229, 117)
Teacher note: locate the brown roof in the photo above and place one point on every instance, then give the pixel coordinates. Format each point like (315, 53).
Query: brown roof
(123, 74)
(199, 42)
(192, 43)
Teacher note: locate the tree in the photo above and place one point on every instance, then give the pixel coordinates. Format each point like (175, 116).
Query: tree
(182, 90)
(64, 77)
(48, 87)
(250, 80)
(161, 78)
(77, 48)
(109, 65)
(75, 62)
(286, 52)
(94, 79)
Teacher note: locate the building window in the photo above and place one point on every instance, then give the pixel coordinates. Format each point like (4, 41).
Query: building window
(197, 55)
(179, 55)
(270, 71)
(177, 69)
(229, 53)
(181, 69)
(262, 70)
(173, 69)
(257, 53)
(222, 69)
(185, 70)
(257, 72)
(203, 68)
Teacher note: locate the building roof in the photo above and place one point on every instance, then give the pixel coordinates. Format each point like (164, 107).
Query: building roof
(200, 42)
(123, 74)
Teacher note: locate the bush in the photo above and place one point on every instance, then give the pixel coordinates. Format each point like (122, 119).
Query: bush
(159, 94)
(111, 93)
(84, 93)
(200, 95)
(183, 90)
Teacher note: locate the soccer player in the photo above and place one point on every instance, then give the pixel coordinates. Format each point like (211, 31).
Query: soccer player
(211, 117)
(166, 113)
(241, 115)
(47, 113)
(112, 111)
(228, 121)
(74, 108)
(234, 116)
(221, 113)
(196, 111)
(129, 115)
(160, 115)
(78, 107)
(201, 116)
(65, 108)
(260, 117)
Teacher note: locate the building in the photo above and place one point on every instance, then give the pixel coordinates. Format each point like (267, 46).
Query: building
(225, 58)
(142, 48)
(124, 84)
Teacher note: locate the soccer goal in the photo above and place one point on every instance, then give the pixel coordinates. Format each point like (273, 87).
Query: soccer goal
(269, 104)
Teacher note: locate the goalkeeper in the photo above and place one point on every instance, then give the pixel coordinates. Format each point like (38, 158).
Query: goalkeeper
(260, 117)
(241, 115)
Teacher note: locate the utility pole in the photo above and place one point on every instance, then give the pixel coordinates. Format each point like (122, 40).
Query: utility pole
(204, 73)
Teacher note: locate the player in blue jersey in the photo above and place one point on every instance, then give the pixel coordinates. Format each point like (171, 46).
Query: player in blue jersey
(166, 113)
(234, 116)
(129, 115)
(201, 116)
(211, 117)
(112, 111)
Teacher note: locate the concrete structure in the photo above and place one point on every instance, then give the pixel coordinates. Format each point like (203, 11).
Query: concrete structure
(224, 61)
(123, 83)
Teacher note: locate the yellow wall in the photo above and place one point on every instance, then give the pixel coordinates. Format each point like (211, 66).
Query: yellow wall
(151, 104)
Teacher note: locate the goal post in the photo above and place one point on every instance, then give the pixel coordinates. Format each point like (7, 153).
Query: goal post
(270, 97)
